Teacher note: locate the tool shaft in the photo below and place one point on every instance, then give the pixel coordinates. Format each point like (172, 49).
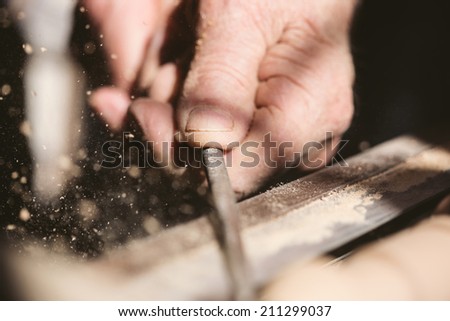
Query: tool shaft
(225, 221)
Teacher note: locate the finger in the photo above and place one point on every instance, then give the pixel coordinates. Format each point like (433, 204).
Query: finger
(297, 89)
(300, 104)
(112, 105)
(269, 151)
(411, 265)
(126, 31)
(165, 80)
(151, 61)
(171, 38)
(217, 102)
(157, 123)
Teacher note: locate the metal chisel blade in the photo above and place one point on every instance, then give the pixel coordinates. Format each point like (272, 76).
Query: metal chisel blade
(225, 221)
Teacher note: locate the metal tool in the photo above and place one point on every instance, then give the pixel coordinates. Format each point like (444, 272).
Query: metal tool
(225, 221)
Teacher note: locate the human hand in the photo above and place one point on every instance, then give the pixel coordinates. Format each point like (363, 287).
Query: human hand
(132, 33)
(260, 67)
(410, 265)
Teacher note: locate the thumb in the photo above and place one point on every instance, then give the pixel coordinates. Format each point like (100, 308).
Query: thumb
(217, 103)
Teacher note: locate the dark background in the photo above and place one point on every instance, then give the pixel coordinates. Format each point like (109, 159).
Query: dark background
(401, 53)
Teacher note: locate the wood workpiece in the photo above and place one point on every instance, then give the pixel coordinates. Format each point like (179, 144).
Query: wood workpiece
(299, 220)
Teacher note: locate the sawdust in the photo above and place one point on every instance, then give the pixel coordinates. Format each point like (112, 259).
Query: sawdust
(24, 215)
(314, 222)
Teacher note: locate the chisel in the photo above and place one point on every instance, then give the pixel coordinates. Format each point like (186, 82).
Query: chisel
(225, 221)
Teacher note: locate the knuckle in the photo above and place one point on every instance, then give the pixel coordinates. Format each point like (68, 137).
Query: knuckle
(329, 20)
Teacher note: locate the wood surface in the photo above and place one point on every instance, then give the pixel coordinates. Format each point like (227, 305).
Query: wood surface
(299, 220)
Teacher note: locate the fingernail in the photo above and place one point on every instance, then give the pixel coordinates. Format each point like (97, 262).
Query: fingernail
(209, 119)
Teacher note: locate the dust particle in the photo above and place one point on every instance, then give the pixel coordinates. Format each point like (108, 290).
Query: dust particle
(6, 89)
(88, 209)
(134, 172)
(364, 145)
(64, 162)
(24, 215)
(151, 225)
(187, 209)
(25, 128)
(10, 227)
(89, 48)
(27, 48)
(81, 154)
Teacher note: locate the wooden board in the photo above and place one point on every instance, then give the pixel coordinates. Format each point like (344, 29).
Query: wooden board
(299, 220)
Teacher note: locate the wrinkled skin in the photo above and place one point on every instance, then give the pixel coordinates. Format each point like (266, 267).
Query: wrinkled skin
(278, 67)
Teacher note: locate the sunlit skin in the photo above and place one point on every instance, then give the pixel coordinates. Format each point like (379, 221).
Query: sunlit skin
(280, 67)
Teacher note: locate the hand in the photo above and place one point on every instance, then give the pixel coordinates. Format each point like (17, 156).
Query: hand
(132, 33)
(411, 265)
(260, 67)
